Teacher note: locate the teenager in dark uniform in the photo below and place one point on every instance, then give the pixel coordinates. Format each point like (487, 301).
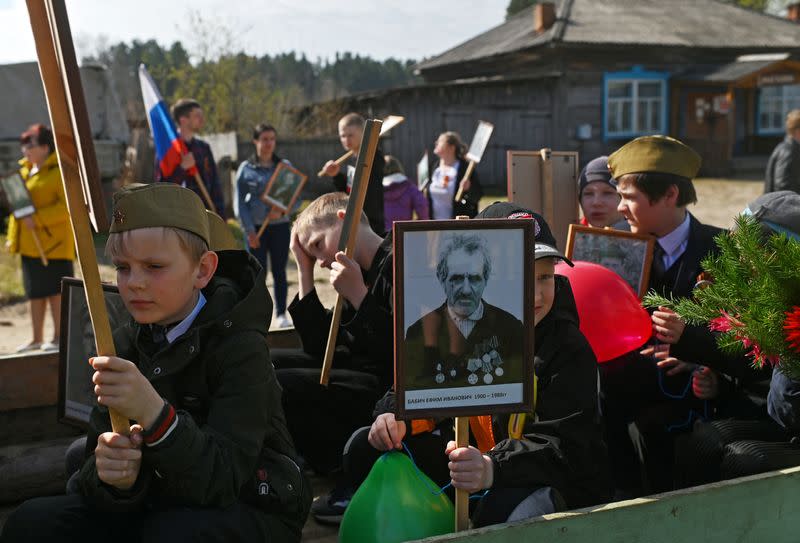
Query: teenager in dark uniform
(654, 179)
(208, 457)
(351, 131)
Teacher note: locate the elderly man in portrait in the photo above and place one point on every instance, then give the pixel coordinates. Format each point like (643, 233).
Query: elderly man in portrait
(465, 341)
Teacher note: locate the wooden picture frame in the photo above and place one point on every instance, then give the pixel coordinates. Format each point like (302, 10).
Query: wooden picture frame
(480, 141)
(284, 187)
(17, 195)
(438, 371)
(629, 255)
(546, 181)
(76, 396)
(423, 172)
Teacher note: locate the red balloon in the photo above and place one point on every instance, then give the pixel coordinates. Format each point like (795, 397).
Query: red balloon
(612, 319)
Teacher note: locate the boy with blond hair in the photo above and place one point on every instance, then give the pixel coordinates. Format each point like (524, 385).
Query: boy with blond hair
(208, 456)
(363, 363)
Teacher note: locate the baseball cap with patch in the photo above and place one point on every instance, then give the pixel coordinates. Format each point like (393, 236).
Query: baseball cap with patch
(545, 242)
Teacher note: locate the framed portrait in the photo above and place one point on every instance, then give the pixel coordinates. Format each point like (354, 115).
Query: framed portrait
(626, 253)
(284, 187)
(423, 172)
(17, 195)
(464, 310)
(480, 141)
(76, 396)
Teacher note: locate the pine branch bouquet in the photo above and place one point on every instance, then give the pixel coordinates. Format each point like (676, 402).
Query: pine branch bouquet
(754, 299)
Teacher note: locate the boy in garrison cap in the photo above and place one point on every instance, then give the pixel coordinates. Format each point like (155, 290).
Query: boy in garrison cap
(532, 464)
(654, 180)
(208, 456)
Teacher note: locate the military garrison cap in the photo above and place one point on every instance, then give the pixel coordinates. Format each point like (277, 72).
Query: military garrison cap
(159, 204)
(654, 154)
(221, 237)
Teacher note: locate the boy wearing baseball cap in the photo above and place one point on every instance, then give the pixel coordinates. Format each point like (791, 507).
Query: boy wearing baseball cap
(208, 456)
(534, 464)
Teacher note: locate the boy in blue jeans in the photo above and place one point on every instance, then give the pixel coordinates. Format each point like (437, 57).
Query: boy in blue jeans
(208, 456)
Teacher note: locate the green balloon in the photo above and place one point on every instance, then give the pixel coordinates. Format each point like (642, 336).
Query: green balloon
(396, 503)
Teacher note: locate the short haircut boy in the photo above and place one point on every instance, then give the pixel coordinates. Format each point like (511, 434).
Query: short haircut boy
(322, 212)
(352, 119)
(184, 107)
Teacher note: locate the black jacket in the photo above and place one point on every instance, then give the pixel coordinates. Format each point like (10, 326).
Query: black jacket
(562, 445)
(367, 334)
(783, 167)
(373, 202)
(469, 200)
(219, 377)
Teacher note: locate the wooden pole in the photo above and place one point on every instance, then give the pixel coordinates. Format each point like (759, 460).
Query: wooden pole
(204, 192)
(263, 226)
(338, 162)
(347, 240)
(52, 70)
(462, 440)
(39, 249)
(467, 175)
(548, 190)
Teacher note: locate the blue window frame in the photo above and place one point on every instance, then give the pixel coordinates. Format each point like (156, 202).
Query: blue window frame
(774, 103)
(634, 103)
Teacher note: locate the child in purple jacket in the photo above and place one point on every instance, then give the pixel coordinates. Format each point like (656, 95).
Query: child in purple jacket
(401, 197)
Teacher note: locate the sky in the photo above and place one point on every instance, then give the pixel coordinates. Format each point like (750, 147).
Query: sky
(403, 29)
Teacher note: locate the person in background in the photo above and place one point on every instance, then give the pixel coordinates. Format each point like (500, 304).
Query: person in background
(448, 177)
(50, 223)
(401, 197)
(251, 181)
(783, 167)
(597, 194)
(188, 115)
(351, 131)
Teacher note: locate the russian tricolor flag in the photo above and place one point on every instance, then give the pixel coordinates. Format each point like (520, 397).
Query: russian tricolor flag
(169, 146)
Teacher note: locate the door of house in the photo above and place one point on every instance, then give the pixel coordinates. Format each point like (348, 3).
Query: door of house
(707, 129)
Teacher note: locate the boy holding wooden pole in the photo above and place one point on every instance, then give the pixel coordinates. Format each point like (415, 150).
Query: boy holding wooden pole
(208, 456)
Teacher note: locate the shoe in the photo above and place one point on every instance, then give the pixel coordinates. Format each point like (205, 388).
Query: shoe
(32, 346)
(330, 509)
(281, 321)
(49, 346)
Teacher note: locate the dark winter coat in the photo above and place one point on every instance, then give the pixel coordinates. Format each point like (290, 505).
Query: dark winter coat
(783, 167)
(219, 378)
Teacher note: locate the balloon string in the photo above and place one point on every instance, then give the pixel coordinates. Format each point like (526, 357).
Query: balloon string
(427, 482)
(692, 413)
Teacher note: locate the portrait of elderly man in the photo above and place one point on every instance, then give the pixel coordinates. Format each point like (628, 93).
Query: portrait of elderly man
(466, 341)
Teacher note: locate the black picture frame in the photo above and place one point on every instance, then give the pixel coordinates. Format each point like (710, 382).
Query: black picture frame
(76, 396)
(457, 375)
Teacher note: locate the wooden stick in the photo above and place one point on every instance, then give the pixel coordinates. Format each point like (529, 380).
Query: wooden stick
(52, 69)
(548, 190)
(338, 162)
(467, 175)
(347, 240)
(39, 249)
(462, 496)
(204, 192)
(263, 226)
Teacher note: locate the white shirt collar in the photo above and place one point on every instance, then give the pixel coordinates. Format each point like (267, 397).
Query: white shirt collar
(177, 331)
(672, 242)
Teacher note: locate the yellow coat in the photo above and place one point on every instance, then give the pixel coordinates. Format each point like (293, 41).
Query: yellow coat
(51, 217)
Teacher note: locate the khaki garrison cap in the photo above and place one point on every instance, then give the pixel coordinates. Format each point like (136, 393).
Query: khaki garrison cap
(159, 204)
(654, 154)
(221, 236)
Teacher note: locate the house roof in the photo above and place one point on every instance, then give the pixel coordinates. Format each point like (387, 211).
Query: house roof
(668, 23)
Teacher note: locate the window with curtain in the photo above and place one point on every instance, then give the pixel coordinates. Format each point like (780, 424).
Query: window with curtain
(773, 105)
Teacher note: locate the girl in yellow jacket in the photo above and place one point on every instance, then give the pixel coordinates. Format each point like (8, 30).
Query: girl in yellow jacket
(42, 283)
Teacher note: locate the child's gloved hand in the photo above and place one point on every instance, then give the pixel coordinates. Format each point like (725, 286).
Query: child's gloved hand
(118, 458)
(470, 470)
(119, 385)
(387, 432)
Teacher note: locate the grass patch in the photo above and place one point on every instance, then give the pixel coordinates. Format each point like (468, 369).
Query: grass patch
(10, 276)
